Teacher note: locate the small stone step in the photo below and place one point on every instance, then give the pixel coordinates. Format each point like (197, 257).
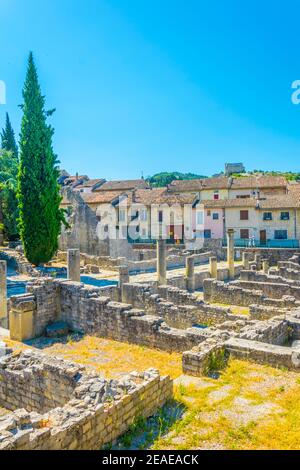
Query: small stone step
(57, 329)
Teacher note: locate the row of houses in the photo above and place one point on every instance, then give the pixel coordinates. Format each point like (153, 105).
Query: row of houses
(262, 210)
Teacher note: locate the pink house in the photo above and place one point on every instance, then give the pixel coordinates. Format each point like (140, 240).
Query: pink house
(209, 220)
(213, 223)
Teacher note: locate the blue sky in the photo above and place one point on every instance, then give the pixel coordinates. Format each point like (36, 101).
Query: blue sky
(159, 85)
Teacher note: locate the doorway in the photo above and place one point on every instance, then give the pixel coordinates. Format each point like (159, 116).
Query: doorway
(262, 237)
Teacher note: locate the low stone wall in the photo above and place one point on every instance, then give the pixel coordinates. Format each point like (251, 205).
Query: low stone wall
(179, 280)
(144, 260)
(18, 261)
(200, 360)
(36, 382)
(274, 255)
(273, 290)
(275, 356)
(179, 308)
(259, 336)
(231, 294)
(96, 315)
(86, 412)
(263, 312)
(276, 330)
(83, 309)
(256, 276)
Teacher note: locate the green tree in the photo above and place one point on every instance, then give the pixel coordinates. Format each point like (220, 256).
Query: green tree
(8, 141)
(8, 197)
(38, 194)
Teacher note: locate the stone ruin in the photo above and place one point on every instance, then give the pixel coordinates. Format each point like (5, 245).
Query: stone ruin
(58, 405)
(164, 314)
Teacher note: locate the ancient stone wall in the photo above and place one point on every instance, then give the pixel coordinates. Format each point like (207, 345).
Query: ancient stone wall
(82, 230)
(273, 290)
(230, 294)
(18, 261)
(179, 308)
(272, 254)
(92, 411)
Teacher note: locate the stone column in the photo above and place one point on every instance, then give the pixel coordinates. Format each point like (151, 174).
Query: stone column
(123, 279)
(230, 253)
(74, 265)
(265, 265)
(190, 273)
(246, 259)
(3, 295)
(213, 267)
(161, 250)
(257, 261)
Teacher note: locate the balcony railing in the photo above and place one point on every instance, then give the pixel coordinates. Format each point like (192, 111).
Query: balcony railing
(251, 243)
(145, 241)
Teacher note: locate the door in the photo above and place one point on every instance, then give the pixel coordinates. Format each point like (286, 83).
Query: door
(262, 237)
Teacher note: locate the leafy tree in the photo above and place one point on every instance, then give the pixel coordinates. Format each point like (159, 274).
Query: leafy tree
(165, 178)
(38, 191)
(8, 141)
(8, 197)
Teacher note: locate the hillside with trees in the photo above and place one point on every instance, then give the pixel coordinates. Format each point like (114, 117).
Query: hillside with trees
(162, 179)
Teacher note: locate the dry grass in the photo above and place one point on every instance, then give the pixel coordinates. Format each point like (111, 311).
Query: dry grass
(250, 406)
(230, 414)
(112, 358)
(236, 309)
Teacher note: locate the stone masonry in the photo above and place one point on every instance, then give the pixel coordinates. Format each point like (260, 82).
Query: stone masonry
(58, 405)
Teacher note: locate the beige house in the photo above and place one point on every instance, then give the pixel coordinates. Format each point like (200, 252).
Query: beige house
(151, 213)
(272, 221)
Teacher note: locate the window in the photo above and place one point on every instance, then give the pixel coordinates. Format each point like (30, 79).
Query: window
(243, 196)
(244, 233)
(160, 216)
(280, 234)
(143, 215)
(267, 216)
(284, 216)
(199, 217)
(207, 233)
(215, 216)
(244, 215)
(216, 195)
(208, 213)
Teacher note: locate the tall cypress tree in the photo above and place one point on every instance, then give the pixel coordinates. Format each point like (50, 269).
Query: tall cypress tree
(38, 192)
(8, 141)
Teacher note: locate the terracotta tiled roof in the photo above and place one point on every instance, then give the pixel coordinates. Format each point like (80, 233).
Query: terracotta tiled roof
(222, 203)
(218, 182)
(258, 182)
(92, 182)
(186, 185)
(223, 182)
(101, 197)
(288, 201)
(161, 196)
(123, 185)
